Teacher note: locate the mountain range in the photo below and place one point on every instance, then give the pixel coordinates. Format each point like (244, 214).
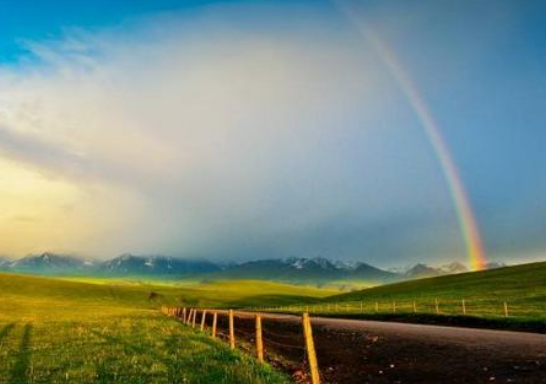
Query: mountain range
(52, 264)
(316, 270)
(306, 270)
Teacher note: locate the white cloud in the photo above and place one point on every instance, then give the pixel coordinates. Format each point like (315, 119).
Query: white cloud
(222, 138)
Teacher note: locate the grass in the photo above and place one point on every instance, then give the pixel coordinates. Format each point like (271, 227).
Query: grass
(58, 331)
(133, 347)
(522, 287)
(67, 292)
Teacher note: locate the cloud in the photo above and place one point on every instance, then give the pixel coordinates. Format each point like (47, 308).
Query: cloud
(27, 148)
(227, 138)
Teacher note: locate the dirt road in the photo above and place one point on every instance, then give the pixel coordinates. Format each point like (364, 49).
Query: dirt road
(358, 351)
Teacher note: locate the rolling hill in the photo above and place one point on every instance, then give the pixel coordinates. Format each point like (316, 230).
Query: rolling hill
(20, 289)
(516, 293)
(525, 281)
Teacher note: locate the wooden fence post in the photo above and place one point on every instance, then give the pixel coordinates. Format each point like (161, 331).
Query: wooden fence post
(203, 317)
(310, 346)
(231, 330)
(464, 307)
(214, 321)
(184, 315)
(194, 318)
(505, 309)
(259, 341)
(437, 306)
(414, 307)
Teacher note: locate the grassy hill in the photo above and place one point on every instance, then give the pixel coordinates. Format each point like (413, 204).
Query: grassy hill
(440, 299)
(524, 283)
(54, 331)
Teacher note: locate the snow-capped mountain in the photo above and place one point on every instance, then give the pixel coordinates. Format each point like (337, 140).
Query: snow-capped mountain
(310, 270)
(125, 265)
(424, 270)
(128, 264)
(454, 267)
(47, 263)
(4, 261)
(317, 270)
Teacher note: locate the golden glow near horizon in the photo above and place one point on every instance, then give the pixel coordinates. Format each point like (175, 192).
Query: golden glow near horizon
(40, 213)
(32, 207)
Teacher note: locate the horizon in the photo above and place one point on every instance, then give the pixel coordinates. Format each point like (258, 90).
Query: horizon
(393, 268)
(390, 134)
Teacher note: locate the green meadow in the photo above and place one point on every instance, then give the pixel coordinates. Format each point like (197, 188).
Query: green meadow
(59, 331)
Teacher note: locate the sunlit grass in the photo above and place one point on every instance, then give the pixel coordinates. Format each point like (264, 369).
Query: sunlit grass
(54, 331)
(109, 347)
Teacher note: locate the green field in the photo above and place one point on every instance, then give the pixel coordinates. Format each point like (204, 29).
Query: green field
(58, 331)
(522, 288)
(89, 330)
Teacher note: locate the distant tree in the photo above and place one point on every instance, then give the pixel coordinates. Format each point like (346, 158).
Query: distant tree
(153, 296)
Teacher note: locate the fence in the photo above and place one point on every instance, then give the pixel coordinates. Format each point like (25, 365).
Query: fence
(487, 308)
(189, 318)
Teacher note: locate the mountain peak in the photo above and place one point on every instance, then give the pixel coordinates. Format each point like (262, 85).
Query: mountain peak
(129, 264)
(422, 270)
(454, 267)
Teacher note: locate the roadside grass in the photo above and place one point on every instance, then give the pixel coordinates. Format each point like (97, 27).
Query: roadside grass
(136, 347)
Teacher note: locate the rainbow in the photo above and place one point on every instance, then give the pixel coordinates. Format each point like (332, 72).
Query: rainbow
(467, 221)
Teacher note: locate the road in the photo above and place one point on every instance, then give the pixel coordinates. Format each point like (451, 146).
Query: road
(361, 351)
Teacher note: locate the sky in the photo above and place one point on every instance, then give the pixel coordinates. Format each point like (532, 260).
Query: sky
(239, 130)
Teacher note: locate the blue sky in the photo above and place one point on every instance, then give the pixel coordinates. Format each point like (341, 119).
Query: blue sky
(238, 130)
(36, 20)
